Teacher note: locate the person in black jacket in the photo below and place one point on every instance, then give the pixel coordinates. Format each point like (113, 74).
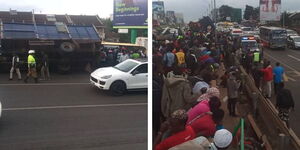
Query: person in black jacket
(284, 103)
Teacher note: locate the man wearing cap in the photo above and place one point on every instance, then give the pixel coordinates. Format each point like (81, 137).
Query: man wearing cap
(31, 66)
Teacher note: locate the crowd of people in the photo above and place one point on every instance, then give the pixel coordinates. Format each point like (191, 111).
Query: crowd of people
(186, 96)
(108, 56)
(186, 81)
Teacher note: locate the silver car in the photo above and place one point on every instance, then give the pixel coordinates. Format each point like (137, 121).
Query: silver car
(293, 42)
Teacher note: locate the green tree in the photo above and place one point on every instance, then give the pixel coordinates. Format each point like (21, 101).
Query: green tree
(108, 25)
(285, 19)
(249, 12)
(225, 11)
(256, 13)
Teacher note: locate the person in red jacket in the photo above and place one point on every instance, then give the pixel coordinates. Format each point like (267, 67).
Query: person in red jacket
(177, 130)
(267, 80)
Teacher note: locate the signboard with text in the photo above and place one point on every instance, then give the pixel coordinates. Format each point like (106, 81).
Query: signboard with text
(270, 10)
(130, 14)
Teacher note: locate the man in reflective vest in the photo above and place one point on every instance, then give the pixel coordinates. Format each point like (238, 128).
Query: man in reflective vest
(256, 57)
(31, 66)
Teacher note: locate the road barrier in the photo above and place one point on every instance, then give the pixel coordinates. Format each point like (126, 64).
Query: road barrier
(264, 111)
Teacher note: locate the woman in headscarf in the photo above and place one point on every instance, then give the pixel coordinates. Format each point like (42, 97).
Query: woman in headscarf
(213, 91)
(204, 106)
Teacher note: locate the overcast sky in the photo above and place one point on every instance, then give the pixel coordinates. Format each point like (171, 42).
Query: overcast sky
(194, 9)
(77, 7)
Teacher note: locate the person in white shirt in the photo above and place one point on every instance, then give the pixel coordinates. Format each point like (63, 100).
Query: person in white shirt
(15, 66)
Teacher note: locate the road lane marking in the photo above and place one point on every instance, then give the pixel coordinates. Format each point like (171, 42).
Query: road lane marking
(293, 51)
(284, 65)
(280, 62)
(289, 78)
(43, 84)
(74, 106)
(294, 57)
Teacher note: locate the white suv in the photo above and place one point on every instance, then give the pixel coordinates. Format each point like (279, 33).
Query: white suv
(128, 75)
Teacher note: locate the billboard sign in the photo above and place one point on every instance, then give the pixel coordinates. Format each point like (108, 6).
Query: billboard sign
(130, 14)
(270, 10)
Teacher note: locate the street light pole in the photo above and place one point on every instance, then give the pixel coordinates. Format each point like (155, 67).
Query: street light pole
(215, 19)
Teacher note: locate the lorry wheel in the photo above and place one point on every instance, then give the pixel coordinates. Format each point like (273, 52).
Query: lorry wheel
(64, 66)
(117, 88)
(67, 47)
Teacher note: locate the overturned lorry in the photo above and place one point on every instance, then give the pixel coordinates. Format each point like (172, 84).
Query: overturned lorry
(67, 46)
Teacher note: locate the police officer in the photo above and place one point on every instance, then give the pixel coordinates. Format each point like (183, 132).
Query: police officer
(31, 66)
(256, 57)
(15, 66)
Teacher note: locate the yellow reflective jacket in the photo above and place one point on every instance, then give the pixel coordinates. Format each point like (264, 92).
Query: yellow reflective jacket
(31, 61)
(256, 57)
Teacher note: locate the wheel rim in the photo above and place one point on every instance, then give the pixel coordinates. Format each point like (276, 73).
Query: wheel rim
(119, 88)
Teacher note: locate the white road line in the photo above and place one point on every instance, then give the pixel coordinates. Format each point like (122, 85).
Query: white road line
(42, 84)
(289, 78)
(281, 62)
(284, 65)
(293, 51)
(294, 57)
(74, 106)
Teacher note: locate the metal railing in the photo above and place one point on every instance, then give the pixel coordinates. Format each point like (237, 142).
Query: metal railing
(277, 132)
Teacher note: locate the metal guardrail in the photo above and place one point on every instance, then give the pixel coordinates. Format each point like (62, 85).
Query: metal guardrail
(275, 128)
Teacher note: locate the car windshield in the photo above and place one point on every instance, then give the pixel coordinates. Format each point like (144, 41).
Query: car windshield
(126, 65)
(247, 45)
(297, 39)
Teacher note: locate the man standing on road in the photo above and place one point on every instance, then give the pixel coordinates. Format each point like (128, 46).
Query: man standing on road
(15, 66)
(31, 66)
(267, 80)
(284, 103)
(278, 72)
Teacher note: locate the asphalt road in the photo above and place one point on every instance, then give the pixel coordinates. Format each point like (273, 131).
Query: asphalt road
(290, 60)
(67, 113)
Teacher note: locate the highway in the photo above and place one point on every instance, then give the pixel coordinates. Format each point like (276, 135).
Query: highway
(67, 113)
(290, 60)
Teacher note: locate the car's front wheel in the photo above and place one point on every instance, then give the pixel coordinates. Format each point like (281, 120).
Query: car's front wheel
(117, 88)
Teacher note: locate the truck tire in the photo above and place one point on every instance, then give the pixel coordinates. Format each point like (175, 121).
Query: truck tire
(64, 65)
(117, 88)
(67, 47)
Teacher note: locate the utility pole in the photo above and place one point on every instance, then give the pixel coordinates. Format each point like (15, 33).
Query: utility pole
(215, 18)
(283, 19)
